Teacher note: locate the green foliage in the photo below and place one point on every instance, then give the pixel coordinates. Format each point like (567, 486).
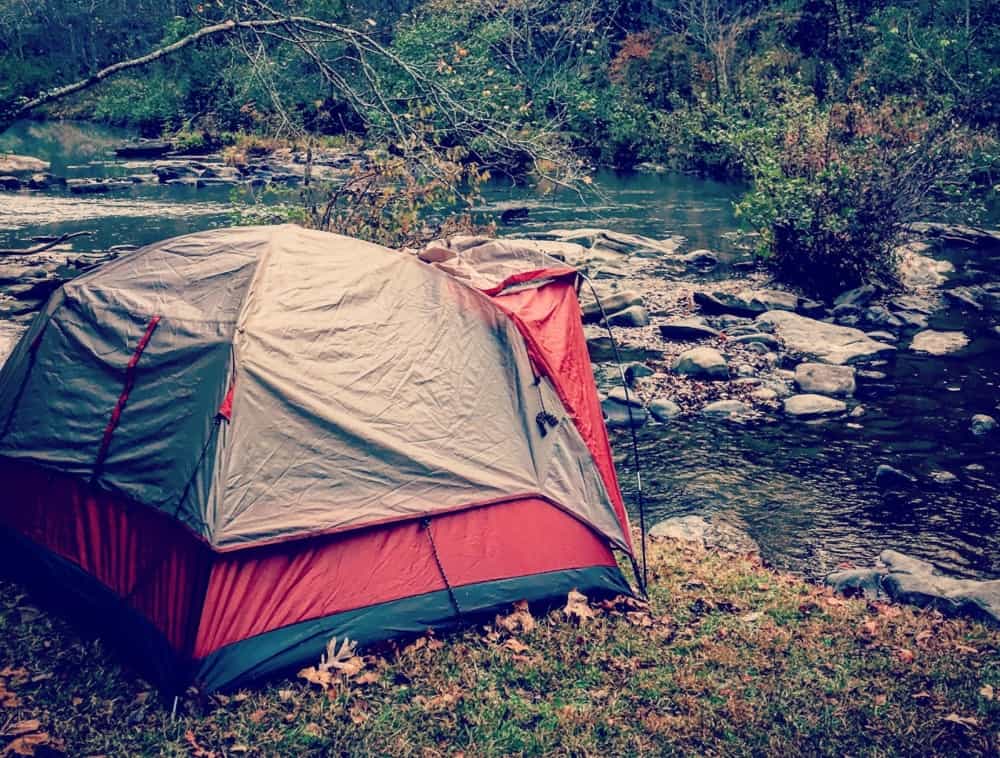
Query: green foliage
(833, 190)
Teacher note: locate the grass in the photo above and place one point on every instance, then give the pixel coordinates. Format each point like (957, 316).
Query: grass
(729, 658)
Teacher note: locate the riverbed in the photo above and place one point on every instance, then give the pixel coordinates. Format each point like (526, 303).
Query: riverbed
(805, 491)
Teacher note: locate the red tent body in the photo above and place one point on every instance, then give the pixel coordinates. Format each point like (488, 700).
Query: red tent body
(233, 446)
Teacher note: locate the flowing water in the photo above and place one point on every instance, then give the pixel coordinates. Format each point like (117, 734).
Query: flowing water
(805, 491)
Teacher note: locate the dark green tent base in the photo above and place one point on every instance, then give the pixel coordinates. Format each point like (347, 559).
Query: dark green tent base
(68, 590)
(293, 646)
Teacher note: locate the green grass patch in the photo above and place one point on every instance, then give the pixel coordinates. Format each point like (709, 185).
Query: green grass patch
(729, 658)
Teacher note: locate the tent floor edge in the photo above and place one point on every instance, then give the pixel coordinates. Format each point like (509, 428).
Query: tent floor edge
(285, 649)
(66, 590)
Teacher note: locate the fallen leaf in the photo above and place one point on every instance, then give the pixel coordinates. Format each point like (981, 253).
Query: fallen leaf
(257, 716)
(966, 649)
(23, 727)
(967, 721)
(197, 750)
(520, 621)
(987, 691)
(577, 607)
(905, 656)
(313, 729)
(515, 646)
(369, 677)
(27, 744)
(313, 675)
(358, 712)
(881, 699)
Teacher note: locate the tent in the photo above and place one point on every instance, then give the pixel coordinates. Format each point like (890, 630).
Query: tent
(232, 446)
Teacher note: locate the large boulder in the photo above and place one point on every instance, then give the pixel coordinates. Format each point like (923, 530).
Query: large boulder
(702, 363)
(938, 343)
(910, 580)
(803, 406)
(746, 302)
(917, 582)
(825, 379)
(619, 415)
(824, 342)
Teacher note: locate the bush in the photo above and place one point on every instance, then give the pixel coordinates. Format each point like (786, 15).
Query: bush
(834, 191)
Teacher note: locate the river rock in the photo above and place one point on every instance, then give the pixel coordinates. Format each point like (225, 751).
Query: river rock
(618, 415)
(957, 232)
(636, 370)
(880, 316)
(809, 405)
(612, 301)
(713, 535)
(940, 476)
(917, 271)
(824, 342)
(21, 164)
(702, 363)
(764, 394)
(916, 303)
(634, 315)
(866, 582)
(911, 580)
(812, 308)
(701, 258)
(982, 424)
(726, 408)
(858, 297)
(890, 477)
(746, 302)
(882, 336)
(825, 379)
(619, 395)
(45, 181)
(693, 328)
(601, 349)
(663, 410)
(938, 343)
(767, 341)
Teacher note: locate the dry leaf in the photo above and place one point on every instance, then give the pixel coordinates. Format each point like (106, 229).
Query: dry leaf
(438, 702)
(515, 646)
(881, 699)
(987, 691)
(966, 649)
(314, 675)
(577, 607)
(27, 744)
(313, 729)
(369, 677)
(257, 716)
(905, 656)
(639, 618)
(520, 621)
(358, 712)
(197, 750)
(23, 727)
(967, 721)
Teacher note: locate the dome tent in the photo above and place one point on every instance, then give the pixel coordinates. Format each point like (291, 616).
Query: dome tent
(234, 445)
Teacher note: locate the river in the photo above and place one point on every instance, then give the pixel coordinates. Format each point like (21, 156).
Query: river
(804, 491)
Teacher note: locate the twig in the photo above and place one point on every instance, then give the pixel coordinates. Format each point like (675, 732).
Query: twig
(43, 246)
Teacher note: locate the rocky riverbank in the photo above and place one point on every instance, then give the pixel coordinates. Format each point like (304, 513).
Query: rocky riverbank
(743, 349)
(158, 163)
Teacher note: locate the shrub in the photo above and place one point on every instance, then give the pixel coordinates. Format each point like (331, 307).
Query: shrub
(834, 191)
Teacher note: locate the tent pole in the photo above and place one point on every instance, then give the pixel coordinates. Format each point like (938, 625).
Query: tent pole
(640, 500)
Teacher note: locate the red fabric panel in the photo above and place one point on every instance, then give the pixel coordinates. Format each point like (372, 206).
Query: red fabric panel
(226, 409)
(257, 590)
(116, 414)
(550, 320)
(144, 556)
